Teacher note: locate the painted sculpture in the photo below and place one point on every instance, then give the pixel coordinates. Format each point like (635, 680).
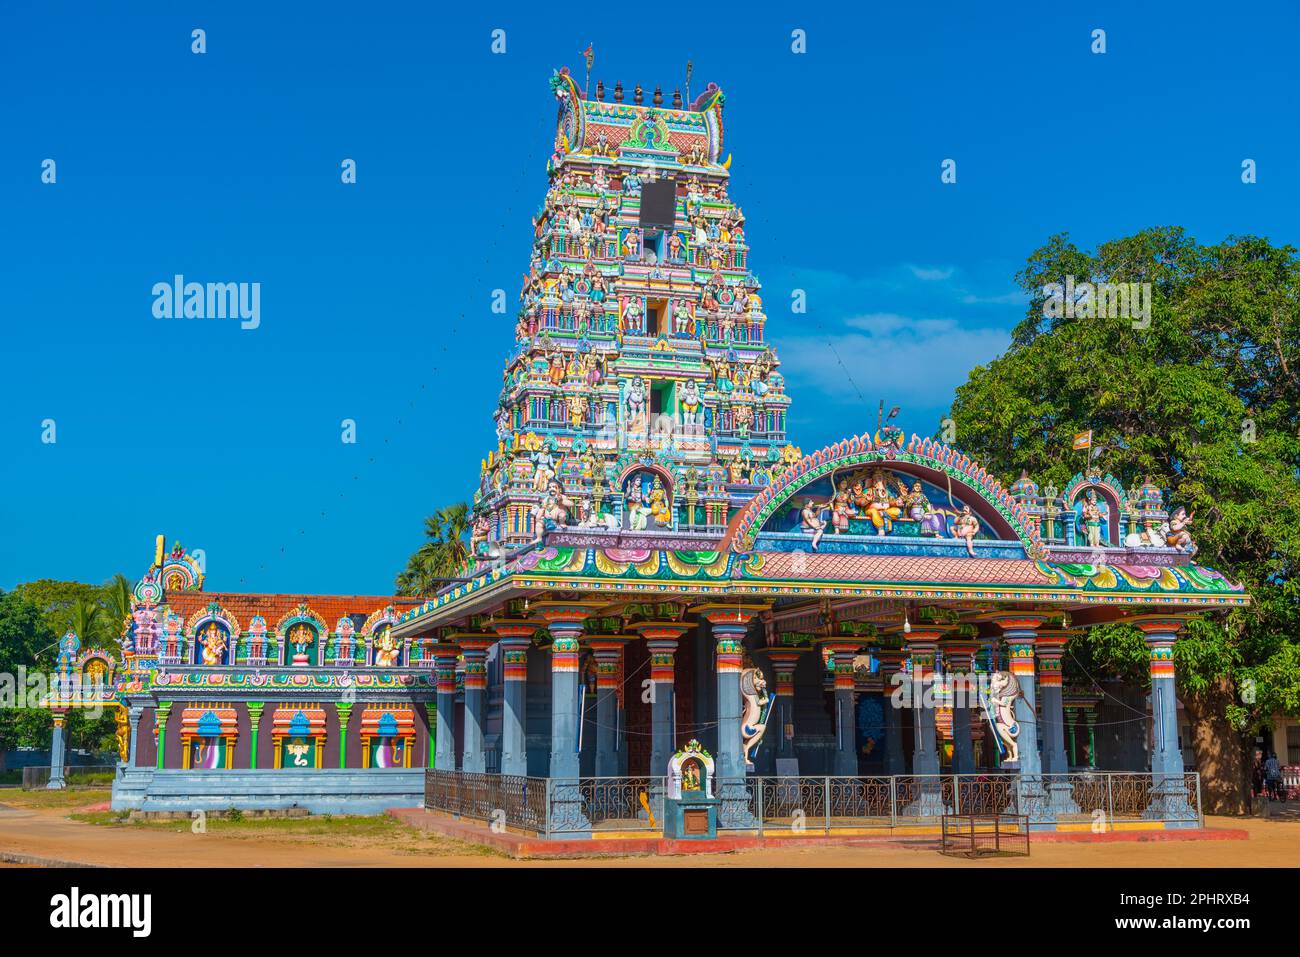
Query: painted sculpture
(1003, 691)
(756, 703)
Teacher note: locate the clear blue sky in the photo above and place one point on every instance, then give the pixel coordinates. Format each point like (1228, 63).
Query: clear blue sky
(376, 296)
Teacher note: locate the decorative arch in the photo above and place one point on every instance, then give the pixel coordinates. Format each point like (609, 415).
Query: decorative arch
(992, 503)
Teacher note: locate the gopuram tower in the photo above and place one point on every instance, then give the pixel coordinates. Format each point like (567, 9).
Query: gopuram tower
(641, 399)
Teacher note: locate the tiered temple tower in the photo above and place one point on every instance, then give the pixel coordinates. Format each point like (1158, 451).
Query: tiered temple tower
(641, 398)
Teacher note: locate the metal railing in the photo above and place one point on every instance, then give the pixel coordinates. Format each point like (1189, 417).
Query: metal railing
(982, 835)
(547, 806)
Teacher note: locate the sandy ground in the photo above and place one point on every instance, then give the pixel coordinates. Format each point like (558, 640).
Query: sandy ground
(49, 833)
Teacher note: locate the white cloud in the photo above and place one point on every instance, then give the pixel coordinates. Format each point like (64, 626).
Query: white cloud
(932, 273)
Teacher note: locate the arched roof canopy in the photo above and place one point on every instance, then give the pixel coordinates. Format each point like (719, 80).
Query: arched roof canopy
(926, 459)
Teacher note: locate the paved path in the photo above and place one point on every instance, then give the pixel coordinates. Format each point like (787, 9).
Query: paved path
(48, 834)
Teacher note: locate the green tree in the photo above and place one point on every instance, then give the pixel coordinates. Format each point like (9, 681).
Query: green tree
(445, 554)
(1204, 400)
(23, 633)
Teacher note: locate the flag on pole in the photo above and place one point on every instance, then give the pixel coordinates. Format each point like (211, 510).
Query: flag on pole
(1083, 440)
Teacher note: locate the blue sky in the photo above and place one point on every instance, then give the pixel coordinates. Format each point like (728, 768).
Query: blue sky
(376, 297)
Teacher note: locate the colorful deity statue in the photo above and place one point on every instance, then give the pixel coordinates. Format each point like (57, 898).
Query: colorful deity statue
(214, 644)
(882, 507)
(841, 509)
(756, 704)
(635, 402)
(966, 526)
(812, 522)
(386, 649)
(660, 508)
(683, 322)
(638, 512)
(543, 467)
(1091, 514)
(691, 406)
(1004, 689)
(1177, 535)
(919, 511)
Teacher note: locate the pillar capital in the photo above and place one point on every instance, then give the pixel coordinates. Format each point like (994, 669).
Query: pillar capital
(514, 630)
(662, 630)
(564, 615)
(728, 614)
(1159, 629)
(1018, 625)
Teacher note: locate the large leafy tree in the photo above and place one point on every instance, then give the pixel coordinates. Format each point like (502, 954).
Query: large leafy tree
(1203, 399)
(443, 556)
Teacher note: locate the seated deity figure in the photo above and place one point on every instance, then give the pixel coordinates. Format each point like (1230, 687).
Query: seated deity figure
(919, 511)
(812, 521)
(841, 509)
(386, 650)
(966, 526)
(214, 645)
(690, 403)
(660, 510)
(1091, 514)
(632, 184)
(882, 508)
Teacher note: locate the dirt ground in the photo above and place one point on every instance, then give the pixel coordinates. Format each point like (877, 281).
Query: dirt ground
(38, 826)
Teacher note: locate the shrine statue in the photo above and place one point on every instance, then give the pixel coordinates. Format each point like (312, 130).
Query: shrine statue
(660, 509)
(543, 468)
(637, 511)
(386, 650)
(755, 703)
(1091, 514)
(122, 733)
(683, 323)
(1004, 689)
(841, 509)
(919, 511)
(632, 184)
(214, 645)
(812, 521)
(1178, 535)
(635, 401)
(966, 526)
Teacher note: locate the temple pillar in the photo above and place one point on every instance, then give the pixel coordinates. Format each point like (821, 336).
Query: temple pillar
(160, 714)
(565, 623)
(784, 662)
(58, 750)
(1021, 632)
(959, 667)
(661, 638)
(921, 645)
(344, 711)
(608, 650)
(474, 647)
(134, 714)
(516, 638)
(730, 624)
(1049, 649)
(891, 666)
(255, 709)
(444, 663)
(1071, 726)
(843, 650)
(1168, 782)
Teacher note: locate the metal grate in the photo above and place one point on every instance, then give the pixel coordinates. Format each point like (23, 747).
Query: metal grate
(985, 835)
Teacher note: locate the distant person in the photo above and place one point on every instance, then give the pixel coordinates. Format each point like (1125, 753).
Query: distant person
(1273, 777)
(1257, 775)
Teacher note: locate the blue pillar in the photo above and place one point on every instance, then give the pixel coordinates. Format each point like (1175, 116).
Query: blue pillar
(474, 647)
(921, 647)
(516, 639)
(444, 661)
(661, 642)
(1169, 794)
(58, 748)
(134, 713)
(730, 623)
(784, 663)
(891, 667)
(845, 760)
(565, 811)
(1021, 632)
(958, 665)
(608, 650)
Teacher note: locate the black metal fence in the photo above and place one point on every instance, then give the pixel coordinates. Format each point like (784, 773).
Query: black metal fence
(985, 835)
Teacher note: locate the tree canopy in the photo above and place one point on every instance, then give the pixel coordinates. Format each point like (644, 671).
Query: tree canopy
(1203, 398)
(443, 556)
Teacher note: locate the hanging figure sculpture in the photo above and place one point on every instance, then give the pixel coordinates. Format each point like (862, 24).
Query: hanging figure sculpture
(1000, 707)
(756, 706)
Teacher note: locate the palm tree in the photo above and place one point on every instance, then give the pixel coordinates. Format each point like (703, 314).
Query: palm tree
(118, 596)
(87, 618)
(443, 556)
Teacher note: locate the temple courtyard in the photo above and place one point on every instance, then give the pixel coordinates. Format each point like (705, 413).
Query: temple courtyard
(74, 829)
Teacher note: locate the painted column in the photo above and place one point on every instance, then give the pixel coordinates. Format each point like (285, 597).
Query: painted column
(444, 664)
(1168, 785)
(565, 622)
(1050, 650)
(58, 747)
(959, 667)
(891, 666)
(608, 650)
(1091, 718)
(516, 639)
(344, 711)
(1021, 632)
(730, 623)
(921, 644)
(134, 714)
(1071, 724)
(254, 722)
(843, 651)
(661, 638)
(474, 646)
(784, 662)
(160, 727)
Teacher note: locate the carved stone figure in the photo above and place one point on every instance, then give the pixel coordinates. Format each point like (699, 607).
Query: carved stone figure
(635, 402)
(1004, 689)
(966, 526)
(1178, 535)
(812, 521)
(1091, 514)
(691, 405)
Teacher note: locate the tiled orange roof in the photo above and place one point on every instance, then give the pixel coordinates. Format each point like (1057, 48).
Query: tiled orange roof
(901, 568)
(244, 606)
